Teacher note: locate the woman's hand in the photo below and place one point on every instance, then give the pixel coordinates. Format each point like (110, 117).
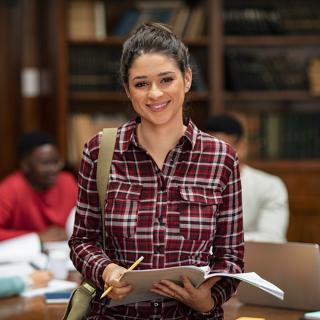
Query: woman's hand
(199, 299)
(112, 277)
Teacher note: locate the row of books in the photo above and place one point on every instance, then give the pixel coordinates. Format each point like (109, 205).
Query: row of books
(284, 136)
(247, 71)
(185, 21)
(86, 19)
(271, 19)
(96, 68)
(270, 136)
(82, 127)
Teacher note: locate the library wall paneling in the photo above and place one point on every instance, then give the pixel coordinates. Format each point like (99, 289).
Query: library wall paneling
(10, 26)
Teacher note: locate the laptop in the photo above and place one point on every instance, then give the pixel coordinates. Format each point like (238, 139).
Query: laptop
(294, 267)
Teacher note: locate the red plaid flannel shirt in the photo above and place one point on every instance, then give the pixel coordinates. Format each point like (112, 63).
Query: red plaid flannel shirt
(172, 217)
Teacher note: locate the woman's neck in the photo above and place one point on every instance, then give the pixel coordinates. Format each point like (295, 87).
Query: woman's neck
(159, 140)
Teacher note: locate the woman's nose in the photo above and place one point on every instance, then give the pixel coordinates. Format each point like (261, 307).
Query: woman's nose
(155, 92)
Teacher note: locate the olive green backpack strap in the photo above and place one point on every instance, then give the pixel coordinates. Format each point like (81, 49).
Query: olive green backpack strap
(80, 301)
(105, 156)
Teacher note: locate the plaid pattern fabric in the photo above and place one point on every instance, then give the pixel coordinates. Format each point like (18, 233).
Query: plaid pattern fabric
(189, 213)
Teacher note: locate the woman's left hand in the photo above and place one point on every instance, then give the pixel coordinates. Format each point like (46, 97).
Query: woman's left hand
(198, 299)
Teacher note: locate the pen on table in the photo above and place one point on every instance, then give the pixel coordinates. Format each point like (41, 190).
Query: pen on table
(34, 265)
(131, 268)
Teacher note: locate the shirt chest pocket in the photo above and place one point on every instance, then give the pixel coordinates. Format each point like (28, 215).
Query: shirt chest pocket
(122, 208)
(198, 208)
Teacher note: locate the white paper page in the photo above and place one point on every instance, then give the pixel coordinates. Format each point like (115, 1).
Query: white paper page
(53, 286)
(142, 281)
(56, 245)
(23, 248)
(255, 280)
(15, 269)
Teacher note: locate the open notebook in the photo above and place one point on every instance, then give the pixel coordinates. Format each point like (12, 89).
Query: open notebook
(142, 280)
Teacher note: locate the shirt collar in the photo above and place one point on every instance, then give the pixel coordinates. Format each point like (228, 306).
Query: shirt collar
(128, 134)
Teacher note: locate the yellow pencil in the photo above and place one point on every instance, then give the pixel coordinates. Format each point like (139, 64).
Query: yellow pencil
(131, 268)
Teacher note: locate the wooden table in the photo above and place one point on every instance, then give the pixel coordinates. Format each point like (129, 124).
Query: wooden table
(234, 309)
(36, 309)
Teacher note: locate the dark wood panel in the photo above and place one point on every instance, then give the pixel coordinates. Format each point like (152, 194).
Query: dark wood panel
(289, 40)
(10, 126)
(302, 181)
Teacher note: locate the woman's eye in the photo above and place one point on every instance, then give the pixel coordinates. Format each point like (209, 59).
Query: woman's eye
(167, 79)
(140, 84)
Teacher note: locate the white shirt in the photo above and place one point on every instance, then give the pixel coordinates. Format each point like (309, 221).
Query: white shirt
(265, 206)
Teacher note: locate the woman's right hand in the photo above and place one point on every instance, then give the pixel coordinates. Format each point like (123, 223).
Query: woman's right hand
(112, 275)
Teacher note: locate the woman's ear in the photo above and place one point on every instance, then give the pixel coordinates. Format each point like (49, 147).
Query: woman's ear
(188, 79)
(126, 89)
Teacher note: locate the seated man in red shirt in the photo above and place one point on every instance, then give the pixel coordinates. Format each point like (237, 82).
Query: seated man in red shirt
(39, 196)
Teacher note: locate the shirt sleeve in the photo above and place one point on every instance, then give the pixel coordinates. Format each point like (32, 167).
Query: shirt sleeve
(228, 246)
(7, 203)
(86, 241)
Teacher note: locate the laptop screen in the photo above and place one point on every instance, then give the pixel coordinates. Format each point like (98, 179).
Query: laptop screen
(292, 266)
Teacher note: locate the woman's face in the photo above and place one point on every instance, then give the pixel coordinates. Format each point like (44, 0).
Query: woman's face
(156, 88)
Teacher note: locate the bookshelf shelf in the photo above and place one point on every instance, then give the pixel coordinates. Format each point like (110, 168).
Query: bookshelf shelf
(98, 96)
(108, 41)
(118, 41)
(302, 165)
(272, 41)
(292, 95)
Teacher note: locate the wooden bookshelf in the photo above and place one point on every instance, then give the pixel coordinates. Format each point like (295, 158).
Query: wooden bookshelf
(300, 175)
(272, 41)
(292, 95)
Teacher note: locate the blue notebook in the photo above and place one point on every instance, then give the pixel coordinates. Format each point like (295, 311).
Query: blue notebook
(58, 297)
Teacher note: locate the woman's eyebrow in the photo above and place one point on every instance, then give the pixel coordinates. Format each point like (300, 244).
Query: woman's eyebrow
(159, 75)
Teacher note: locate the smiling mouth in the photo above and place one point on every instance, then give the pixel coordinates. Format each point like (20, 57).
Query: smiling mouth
(157, 106)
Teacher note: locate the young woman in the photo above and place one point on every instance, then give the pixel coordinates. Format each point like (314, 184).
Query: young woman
(174, 193)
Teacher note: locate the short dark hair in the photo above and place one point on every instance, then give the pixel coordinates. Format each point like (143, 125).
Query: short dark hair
(225, 123)
(32, 140)
(153, 38)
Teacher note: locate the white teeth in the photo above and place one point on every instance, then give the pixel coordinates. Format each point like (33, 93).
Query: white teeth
(157, 106)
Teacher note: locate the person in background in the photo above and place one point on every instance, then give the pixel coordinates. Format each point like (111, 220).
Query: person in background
(39, 196)
(264, 196)
(174, 193)
(14, 285)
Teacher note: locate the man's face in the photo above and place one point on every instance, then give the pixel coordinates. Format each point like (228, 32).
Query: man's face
(42, 166)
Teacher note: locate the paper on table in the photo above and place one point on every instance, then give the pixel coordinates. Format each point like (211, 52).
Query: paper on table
(60, 246)
(22, 248)
(142, 281)
(15, 269)
(53, 286)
